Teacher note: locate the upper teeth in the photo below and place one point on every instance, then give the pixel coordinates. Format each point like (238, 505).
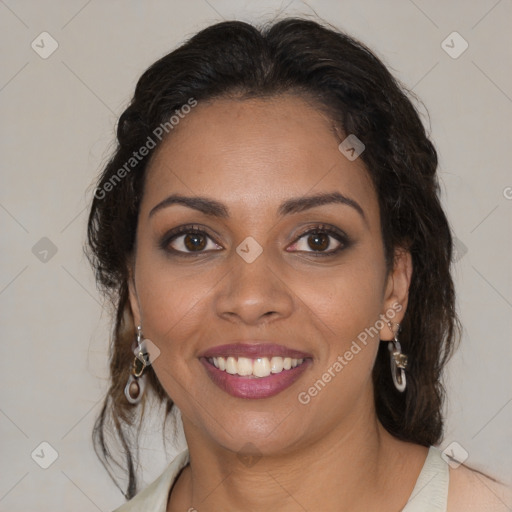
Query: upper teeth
(260, 367)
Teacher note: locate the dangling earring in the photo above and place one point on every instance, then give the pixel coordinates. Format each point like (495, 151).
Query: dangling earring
(134, 389)
(398, 360)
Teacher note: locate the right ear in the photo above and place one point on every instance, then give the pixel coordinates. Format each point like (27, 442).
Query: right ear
(132, 294)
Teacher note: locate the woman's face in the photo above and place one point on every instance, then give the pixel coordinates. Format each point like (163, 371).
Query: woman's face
(255, 229)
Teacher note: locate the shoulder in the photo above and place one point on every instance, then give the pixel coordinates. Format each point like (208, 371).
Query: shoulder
(156, 495)
(472, 491)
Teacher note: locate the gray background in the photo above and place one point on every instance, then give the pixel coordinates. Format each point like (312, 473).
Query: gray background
(58, 117)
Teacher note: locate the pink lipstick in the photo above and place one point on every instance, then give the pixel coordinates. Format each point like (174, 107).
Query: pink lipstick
(256, 370)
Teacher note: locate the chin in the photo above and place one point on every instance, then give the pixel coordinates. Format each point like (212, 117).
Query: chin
(258, 434)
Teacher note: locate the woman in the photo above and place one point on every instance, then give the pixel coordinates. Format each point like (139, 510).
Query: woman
(271, 232)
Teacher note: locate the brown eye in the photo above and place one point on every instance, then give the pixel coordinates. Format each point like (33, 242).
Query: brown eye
(321, 241)
(318, 241)
(195, 241)
(189, 240)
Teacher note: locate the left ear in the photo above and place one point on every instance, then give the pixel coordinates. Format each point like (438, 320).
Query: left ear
(133, 298)
(397, 291)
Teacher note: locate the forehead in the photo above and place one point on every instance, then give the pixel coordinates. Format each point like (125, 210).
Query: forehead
(249, 153)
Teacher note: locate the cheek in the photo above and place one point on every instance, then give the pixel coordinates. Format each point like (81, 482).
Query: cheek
(345, 308)
(345, 299)
(172, 305)
(173, 300)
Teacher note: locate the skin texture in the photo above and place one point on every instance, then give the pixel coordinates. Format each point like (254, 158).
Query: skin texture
(331, 454)
(472, 491)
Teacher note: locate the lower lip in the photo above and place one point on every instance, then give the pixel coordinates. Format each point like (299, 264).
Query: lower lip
(254, 387)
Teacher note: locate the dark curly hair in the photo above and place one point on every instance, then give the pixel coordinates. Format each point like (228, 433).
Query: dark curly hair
(347, 81)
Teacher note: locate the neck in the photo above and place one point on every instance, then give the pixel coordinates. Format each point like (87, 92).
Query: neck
(351, 468)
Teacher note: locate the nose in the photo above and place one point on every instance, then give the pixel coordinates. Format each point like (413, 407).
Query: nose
(253, 293)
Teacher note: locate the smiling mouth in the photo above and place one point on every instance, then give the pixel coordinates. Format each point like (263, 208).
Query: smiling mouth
(254, 368)
(256, 379)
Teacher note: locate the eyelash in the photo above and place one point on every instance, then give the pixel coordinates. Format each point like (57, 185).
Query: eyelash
(331, 231)
(335, 233)
(187, 229)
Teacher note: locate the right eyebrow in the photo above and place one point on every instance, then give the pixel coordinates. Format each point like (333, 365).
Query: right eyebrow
(202, 204)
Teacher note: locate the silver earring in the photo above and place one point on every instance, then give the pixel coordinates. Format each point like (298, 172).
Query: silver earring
(398, 360)
(134, 389)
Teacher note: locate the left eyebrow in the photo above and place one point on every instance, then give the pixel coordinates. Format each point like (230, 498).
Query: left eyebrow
(299, 204)
(203, 204)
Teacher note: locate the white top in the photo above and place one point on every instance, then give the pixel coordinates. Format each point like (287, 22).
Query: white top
(430, 494)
